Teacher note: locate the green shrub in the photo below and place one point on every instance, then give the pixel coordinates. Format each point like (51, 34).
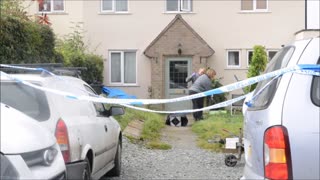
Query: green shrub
(258, 64)
(22, 40)
(76, 54)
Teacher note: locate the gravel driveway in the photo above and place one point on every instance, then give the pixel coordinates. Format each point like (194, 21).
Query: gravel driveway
(184, 161)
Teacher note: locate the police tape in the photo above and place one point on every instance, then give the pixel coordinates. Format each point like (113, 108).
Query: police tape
(302, 69)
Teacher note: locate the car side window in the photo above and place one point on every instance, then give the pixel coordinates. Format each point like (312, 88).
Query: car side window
(279, 61)
(315, 89)
(98, 106)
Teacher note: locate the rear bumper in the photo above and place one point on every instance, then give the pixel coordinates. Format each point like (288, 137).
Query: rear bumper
(74, 170)
(250, 174)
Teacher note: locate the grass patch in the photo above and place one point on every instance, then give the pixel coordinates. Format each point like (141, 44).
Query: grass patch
(151, 131)
(208, 129)
(158, 145)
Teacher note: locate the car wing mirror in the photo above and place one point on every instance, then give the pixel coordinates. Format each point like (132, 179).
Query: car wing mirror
(116, 110)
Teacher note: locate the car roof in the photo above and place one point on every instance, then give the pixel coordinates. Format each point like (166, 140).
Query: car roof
(41, 78)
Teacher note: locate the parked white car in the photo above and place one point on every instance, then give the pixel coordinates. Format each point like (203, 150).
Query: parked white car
(281, 128)
(28, 150)
(88, 136)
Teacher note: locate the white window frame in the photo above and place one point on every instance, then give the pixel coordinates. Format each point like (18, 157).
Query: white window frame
(233, 66)
(271, 50)
(122, 67)
(52, 8)
(113, 10)
(248, 53)
(254, 9)
(180, 7)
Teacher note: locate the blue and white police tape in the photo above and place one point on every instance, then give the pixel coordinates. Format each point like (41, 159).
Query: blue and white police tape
(304, 69)
(215, 106)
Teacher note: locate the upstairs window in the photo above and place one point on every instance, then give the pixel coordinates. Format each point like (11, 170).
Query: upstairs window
(123, 67)
(179, 5)
(51, 5)
(254, 5)
(114, 5)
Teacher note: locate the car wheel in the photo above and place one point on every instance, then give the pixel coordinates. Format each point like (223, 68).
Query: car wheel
(86, 173)
(230, 160)
(117, 162)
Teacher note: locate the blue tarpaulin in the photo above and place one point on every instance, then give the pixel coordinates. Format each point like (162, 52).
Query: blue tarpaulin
(116, 93)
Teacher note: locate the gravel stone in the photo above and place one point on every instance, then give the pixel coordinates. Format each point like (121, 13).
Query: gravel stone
(180, 162)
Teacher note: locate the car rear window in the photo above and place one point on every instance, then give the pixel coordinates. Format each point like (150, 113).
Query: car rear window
(315, 90)
(280, 60)
(26, 99)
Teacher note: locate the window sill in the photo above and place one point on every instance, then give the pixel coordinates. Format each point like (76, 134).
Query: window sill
(52, 13)
(236, 68)
(178, 12)
(123, 85)
(114, 13)
(254, 12)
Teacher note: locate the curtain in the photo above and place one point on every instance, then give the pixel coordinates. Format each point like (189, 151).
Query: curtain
(115, 67)
(58, 5)
(246, 4)
(129, 67)
(261, 4)
(233, 58)
(172, 5)
(121, 5)
(107, 5)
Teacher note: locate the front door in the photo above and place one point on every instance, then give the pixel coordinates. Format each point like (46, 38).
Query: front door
(177, 69)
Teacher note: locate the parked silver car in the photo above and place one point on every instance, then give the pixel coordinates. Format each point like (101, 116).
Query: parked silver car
(28, 150)
(88, 136)
(281, 128)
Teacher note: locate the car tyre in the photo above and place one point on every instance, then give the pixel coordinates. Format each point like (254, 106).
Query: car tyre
(230, 160)
(86, 173)
(116, 170)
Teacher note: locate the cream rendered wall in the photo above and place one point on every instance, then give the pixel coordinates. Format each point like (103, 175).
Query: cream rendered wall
(224, 26)
(220, 23)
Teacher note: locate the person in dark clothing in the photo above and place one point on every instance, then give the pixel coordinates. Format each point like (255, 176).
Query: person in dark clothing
(202, 84)
(195, 75)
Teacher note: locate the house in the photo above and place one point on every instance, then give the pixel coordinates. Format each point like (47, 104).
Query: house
(149, 47)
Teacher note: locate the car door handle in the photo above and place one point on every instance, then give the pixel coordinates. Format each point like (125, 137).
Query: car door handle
(106, 128)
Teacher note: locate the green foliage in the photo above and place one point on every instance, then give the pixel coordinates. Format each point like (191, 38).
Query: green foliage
(22, 40)
(158, 145)
(153, 123)
(258, 64)
(208, 129)
(75, 54)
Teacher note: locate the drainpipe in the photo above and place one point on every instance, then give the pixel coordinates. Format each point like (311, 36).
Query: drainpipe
(305, 14)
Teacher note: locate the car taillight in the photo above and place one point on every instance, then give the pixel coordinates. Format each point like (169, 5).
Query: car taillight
(63, 139)
(277, 156)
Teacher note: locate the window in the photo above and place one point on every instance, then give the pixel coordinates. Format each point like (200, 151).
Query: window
(265, 97)
(254, 5)
(233, 58)
(271, 54)
(179, 5)
(114, 5)
(122, 67)
(31, 101)
(249, 57)
(98, 106)
(51, 6)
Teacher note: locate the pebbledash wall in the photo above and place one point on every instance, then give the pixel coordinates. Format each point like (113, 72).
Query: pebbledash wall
(207, 33)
